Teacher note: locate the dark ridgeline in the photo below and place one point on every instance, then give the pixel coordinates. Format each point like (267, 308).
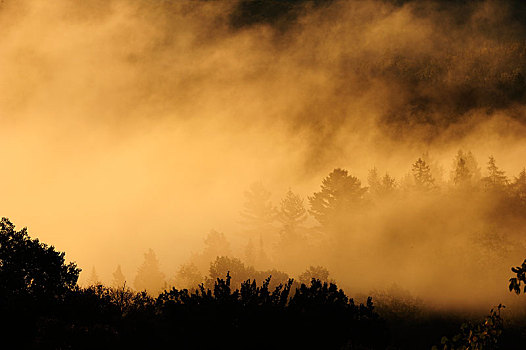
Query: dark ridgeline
(42, 307)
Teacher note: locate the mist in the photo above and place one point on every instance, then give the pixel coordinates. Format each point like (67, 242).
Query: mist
(129, 125)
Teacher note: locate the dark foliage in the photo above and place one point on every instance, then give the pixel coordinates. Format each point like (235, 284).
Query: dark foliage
(315, 316)
(34, 280)
(481, 336)
(515, 282)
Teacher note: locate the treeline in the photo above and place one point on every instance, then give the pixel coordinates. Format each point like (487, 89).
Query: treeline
(347, 225)
(42, 307)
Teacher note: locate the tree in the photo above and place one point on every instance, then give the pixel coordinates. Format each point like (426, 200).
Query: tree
(483, 335)
(149, 277)
(515, 282)
(250, 252)
(118, 278)
(424, 181)
(93, 279)
(380, 186)
(258, 211)
(388, 184)
(316, 272)
(235, 267)
(216, 245)
(466, 171)
(258, 215)
(496, 179)
(31, 269)
(291, 214)
(188, 276)
(374, 182)
(518, 187)
(340, 194)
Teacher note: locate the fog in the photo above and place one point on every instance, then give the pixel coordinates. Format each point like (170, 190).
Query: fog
(129, 125)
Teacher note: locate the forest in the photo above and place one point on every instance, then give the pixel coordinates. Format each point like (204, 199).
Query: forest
(320, 174)
(219, 300)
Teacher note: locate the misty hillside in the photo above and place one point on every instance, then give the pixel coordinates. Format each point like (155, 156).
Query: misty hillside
(367, 156)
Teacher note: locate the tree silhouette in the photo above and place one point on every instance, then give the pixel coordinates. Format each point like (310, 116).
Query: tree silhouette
(216, 245)
(388, 184)
(466, 171)
(518, 187)
(424, 181)
(29, 268)
(484, 335)
(380, 186)
(314, 272)
(93, 279)
(258, 216)
(258, 211)
(149, 277)
(291, 214)
(374, 182)
(515, 282)
(35, 280)
(188, 276)
(118, 278)
(496, 180)
(340, 193)
(436, 169)
(235, 267)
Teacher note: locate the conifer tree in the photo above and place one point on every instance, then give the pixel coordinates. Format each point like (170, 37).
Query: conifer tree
(465, 170)
(119, 280)
(374, 182)
(388, 184)
(518, 186)
(291, 214)
(496, 178)
(149, 276)
(424, 181)
(93, 279)
(258, 211)
(340, 193)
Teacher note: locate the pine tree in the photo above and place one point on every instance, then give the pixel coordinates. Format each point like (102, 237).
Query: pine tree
(462, 173)
(340, 193)
(258, 215)
(424, 181)
(119, 280)
(258, 211)
(518, 186)
(388, 184)
(291, 214)
(496, 178)
(149, 276)
(436, 169)
(93, 279)
(374, 182)
(380, 187)
(465, 170)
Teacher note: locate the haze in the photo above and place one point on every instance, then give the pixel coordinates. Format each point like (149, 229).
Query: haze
(128, 125)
